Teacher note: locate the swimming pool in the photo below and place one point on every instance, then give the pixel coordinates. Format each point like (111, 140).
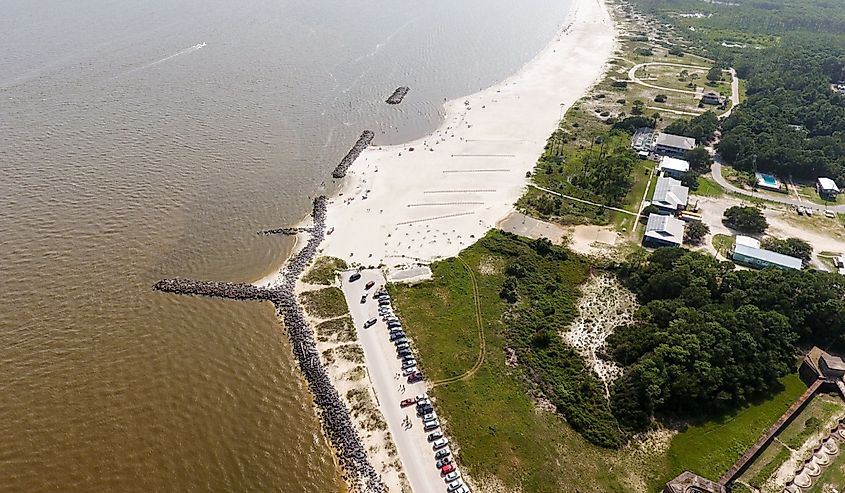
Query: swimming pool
(768, 181)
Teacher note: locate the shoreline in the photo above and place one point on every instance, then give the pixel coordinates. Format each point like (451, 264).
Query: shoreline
(459, 181)
(431, 197)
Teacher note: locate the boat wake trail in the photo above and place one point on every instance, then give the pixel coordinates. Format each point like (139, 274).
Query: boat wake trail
(192, 49)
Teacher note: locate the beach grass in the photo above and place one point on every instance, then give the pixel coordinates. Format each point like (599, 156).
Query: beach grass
(338, 329)
(324, 271)
(324, 303)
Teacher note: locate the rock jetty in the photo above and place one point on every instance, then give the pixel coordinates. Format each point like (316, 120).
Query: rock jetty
(398, 95)
(284, 231)
(230, 290)
(336, 419)
(350, 157)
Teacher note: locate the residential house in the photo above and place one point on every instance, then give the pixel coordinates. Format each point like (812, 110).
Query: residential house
(672, 145)
(712, 97)
(663, 230)
(669, 195)
(759, 258)
(674, 167)
(827, 188)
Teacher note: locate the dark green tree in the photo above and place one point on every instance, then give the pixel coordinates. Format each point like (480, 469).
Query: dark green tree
(695, 232)
(745, 219)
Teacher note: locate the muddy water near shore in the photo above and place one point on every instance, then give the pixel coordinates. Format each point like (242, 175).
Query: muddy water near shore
(145, 140)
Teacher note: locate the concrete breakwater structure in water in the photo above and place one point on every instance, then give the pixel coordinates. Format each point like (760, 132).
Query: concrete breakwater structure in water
(398, 95)
(335, 417)
(350, 157)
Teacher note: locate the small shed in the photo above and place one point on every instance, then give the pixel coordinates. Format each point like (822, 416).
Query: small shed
(827, 188)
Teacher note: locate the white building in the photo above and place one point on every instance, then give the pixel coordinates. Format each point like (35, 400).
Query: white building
(663, 231)
(747, 241)
(673, 145)
(669, 195)
(827, 188)
(674, 167)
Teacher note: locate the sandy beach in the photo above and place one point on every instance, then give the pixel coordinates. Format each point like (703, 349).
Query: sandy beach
(432, 197)
(428, 199)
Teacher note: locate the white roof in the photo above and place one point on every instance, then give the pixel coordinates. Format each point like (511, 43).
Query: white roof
(747, 241)
(769, 256)
(669, 193)
(675, 141)
(828, 184)
(665, 228)
(673, 164)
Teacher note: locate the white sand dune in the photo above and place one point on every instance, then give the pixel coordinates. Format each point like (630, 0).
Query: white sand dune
(399, 206)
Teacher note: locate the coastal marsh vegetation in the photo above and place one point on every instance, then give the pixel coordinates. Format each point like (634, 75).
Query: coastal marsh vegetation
(324, 303)
(508, 422)
(339, 329)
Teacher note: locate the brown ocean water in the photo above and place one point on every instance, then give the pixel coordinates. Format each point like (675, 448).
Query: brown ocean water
(148, 139)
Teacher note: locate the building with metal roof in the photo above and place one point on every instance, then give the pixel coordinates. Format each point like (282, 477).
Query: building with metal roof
(827, 188)
(663, 230)
(674, 167)
(759, 258)
(673, 145)
(669, 195)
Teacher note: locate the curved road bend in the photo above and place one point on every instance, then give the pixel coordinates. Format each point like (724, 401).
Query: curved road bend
(716, 169)
(632, 76)
(414, 450)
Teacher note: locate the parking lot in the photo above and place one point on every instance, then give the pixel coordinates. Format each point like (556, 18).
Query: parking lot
(391, 386)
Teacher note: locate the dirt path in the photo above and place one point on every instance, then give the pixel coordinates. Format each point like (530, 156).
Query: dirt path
(482, 349)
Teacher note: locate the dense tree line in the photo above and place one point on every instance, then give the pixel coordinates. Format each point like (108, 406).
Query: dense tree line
(700, 128)
(708, 338)
(541, 284)
(792, 123)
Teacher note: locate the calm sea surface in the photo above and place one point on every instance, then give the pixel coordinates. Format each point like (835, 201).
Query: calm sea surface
(142, 139)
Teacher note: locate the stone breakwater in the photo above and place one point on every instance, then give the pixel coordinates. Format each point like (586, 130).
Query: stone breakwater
(284, 231)
(230, 290)
(398, 95)
(350, 157)
(336, 419)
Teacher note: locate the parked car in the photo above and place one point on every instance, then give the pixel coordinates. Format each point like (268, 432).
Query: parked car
(462, 489)
(434, 436)
(407, 402)
(429, 417)
(397, 335)
(409, 371)
(369, 285)
(432, 425)
(454, 485)
(442, 462)
(403, 345)
(400, 341)
(416, 377)
(447, 468)
(409, 363)
(406, 357)
(370, 323)
(383, 302)
(422, 399)
(422, 411)
(444, 452)
(452, 476)
(354, 277)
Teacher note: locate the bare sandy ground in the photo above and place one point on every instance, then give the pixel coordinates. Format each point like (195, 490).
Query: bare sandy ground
(400, 206)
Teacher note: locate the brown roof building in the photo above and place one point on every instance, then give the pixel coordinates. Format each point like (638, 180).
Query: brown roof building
(688, 482)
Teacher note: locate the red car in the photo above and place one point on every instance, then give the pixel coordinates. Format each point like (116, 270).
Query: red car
(370, 284)
(447, 468)
(415, 377)
(408, 402)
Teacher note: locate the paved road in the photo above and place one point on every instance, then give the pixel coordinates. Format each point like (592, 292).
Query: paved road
(414, 450)
(716, 169)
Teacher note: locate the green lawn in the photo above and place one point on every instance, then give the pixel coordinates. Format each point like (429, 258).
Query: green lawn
(723, 243)
(324, 271)
(708, 188)
(709, 449)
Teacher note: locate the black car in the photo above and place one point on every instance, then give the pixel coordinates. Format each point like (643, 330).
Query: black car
(354, 277)
(422, 411)
(403, 352)
(397, 335)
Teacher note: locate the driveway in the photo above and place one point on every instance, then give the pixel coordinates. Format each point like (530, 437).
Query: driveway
(383, 367)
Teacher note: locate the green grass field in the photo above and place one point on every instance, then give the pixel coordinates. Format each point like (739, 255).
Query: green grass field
(506, 435)
(710, 448)
(324, 303)
(723, 243)
(708, 188)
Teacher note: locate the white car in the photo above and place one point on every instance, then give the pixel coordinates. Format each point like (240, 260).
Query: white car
(452, 476)
(409, 371)
(438, 444)
(453, 486)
